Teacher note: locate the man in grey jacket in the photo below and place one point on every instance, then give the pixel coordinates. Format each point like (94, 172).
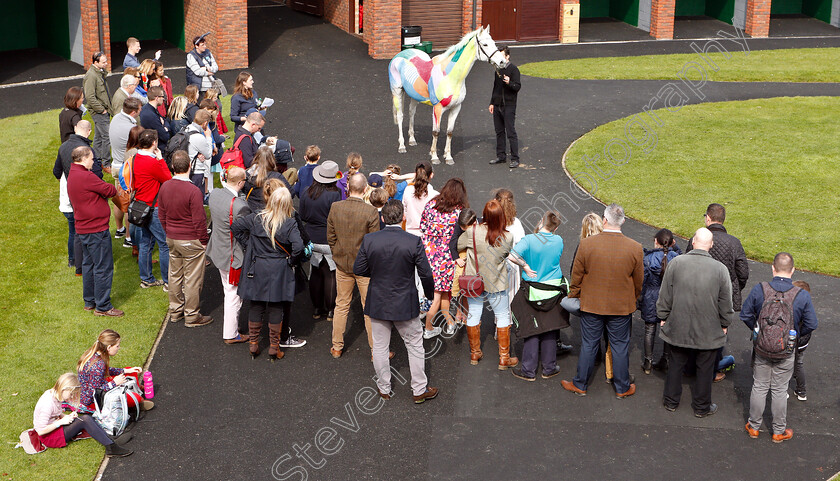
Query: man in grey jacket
(695, 309)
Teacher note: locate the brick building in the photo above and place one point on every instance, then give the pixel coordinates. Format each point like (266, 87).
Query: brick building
(76, 29)
(378, 22)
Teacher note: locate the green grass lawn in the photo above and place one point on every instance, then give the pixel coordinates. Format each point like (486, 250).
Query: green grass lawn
(43, 329)
(789, 65)
(773, 163)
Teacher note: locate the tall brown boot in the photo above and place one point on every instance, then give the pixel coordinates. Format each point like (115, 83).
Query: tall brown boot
(474, 335)
(505, 361)
(274, 351)
(254, 329)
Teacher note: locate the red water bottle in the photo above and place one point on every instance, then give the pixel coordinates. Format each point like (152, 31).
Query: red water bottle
(148, 385)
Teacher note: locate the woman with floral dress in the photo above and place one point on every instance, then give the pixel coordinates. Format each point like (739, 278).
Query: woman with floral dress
(437, 225)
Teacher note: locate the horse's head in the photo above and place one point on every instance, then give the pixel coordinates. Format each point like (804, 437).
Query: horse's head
(487, 50)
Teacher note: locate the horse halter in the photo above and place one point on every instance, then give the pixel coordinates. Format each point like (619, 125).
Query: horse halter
(490, 56)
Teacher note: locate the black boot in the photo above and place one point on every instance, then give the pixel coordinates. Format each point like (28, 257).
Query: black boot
(116, 451)
(662, 363)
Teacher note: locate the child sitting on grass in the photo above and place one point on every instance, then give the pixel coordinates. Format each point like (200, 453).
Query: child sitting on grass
(55, 429)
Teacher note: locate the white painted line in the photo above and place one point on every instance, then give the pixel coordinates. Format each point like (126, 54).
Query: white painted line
(610, 42)
(64, 79)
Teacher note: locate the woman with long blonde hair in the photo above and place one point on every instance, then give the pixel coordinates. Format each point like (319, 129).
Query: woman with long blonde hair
(55, 429)
(95, 371)
(273, 244)
(177, 114)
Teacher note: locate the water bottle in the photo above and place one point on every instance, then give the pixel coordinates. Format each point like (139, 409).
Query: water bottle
(791, 340)
(149, 386)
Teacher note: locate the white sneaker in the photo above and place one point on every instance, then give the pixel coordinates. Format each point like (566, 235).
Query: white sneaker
(292, 341)
(801, 396)
(430, 334)
(449, 329)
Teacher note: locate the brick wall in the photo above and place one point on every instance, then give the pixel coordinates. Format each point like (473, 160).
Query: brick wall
(383, 22)
(467, 16)
(337, 12)
(231, 34)
(90, 32)
(227, 22)
(758, 18)
(662, 19)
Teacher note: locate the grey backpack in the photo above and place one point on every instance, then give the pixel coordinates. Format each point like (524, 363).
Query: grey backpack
(774, 323)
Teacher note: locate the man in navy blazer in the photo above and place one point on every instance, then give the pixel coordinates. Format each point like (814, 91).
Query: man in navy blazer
(150, 118)
(389, 258)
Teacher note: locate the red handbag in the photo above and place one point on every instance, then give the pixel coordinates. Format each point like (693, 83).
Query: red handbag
(472, 286)
(233, 274)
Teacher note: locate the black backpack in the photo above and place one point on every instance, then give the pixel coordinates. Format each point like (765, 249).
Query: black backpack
(179, 141)
(283, 152)
(775, 321)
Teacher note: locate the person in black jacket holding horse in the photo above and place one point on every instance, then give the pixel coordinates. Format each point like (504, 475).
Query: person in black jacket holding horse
(389, 258)
(272, 244)
(503, 107)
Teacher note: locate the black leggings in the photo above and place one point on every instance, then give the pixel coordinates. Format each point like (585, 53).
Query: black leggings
(322, 287)
(274, 312)
(85, 422)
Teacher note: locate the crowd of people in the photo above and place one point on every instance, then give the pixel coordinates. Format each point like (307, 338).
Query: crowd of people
(388, 236)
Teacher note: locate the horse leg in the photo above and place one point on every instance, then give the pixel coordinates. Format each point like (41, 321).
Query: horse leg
(450, 124)
(412, 108)
(398, 115)
(437, 112)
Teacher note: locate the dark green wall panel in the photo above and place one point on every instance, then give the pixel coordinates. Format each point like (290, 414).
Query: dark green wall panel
(131, 18)
(172, 13)
(53, 27)
(690, 8)
(820, 9)
(594, 8)
(722, 10)
(785, 7)
(17, 26)
(626, 11)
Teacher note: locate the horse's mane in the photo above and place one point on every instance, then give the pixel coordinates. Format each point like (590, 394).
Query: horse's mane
(461, 44)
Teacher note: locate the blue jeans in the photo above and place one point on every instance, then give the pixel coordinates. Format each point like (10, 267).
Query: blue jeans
(591, 329)
(74, 245)
(97, 270)
(146, 237)
(498, 303)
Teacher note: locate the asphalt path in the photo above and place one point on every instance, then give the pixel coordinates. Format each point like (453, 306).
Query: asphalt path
(220, 415)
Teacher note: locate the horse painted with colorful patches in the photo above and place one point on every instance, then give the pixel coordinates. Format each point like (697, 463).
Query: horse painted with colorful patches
(438, 82)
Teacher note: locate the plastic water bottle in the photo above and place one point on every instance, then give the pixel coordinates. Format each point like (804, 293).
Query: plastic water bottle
(791, 340)
(149, 386)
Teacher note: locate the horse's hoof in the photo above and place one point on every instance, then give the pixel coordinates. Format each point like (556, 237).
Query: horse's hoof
(402, 150)
(412, 142)
(435, 161)
(450, 161)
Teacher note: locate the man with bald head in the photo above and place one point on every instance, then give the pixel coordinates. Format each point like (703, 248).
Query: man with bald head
(694, 309)
(348, 222)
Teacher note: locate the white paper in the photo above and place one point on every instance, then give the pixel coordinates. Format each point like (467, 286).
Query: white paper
(267, 102)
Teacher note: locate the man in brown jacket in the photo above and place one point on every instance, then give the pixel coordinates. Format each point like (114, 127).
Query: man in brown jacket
(348, 222)
(607, 277)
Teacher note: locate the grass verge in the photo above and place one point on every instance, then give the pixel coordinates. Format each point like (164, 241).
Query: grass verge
(788, 65)
(43, 328)
(772, 162)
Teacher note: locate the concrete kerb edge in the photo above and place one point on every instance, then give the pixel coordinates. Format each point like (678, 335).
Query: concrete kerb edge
(104, 463)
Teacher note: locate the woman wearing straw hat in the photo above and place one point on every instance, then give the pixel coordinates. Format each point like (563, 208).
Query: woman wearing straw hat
(315, 203)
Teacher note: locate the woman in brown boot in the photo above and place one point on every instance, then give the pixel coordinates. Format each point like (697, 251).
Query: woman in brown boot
(272, 243)
(492, 243)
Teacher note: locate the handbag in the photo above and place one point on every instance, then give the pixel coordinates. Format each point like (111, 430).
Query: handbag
(472, 286)
(218, 84)
(233, 273)
(121, 200)
(140, 213)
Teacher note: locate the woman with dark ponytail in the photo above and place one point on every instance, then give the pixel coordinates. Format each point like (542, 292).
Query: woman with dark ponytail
(655, 262)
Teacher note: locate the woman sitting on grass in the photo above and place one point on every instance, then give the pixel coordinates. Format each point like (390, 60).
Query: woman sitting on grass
(56, 429)
(95, 372)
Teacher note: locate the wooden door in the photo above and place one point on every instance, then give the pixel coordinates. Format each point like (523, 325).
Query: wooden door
(440, 19)
(538, 19)
(501, 16)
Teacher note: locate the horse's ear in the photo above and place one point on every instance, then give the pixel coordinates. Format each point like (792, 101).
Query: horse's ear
(487, 29)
